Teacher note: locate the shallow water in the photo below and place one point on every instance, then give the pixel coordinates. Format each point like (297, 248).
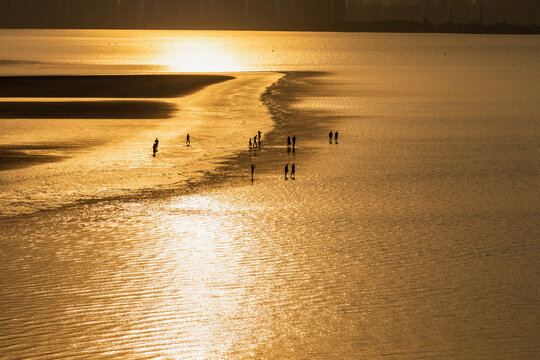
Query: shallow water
(414, 237)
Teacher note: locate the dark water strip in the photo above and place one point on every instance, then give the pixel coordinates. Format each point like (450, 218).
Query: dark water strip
(86, 110)
(106, 86)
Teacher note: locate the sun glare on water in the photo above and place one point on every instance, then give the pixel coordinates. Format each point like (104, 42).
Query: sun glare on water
(199, 55)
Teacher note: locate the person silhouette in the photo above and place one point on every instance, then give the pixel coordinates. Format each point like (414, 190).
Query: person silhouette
(293, 172)
(330, 136)
(336, 137)
(288, 141)
(188, 140)
(250, 143)
(155, 147)
(252, 171)
(255, 140)
(259, 134)
(293, 141)
(286, 170)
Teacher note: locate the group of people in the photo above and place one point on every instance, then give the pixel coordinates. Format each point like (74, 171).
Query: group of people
(289, 142)
(293, 171)
(334, 136)
(256, 141)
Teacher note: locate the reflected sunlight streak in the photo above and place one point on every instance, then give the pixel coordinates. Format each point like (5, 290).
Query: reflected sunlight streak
(206, 277)
(199, 55)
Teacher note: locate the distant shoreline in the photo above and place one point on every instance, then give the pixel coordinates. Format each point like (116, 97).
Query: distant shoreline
(375, 26)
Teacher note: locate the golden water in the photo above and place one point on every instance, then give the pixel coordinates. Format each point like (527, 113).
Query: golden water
(414, 237)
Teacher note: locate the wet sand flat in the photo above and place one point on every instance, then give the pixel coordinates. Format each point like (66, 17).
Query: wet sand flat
(76, 98)
(44, 153)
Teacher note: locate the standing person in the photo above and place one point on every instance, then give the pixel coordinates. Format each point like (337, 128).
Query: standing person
(188, 140)
(293, 141)
(156, 144)
(336, 137)
(286, 170)
(259, 134)
(293, 172)
(330, 136)
(288, 141)
(255, 140)
(252, 171)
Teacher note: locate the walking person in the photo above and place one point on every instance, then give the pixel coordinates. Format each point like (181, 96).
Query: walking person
(288, 141)
(330, 136)
(188, 140)
(249, 143)
(336, 137)
(293, 142)
(252, 171)
(286, 171)
(293, 172)
(259, 135)
(255, 141)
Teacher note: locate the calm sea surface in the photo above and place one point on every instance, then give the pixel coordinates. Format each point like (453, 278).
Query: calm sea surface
(415, 237)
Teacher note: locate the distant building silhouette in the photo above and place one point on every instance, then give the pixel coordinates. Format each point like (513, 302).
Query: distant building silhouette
(254, 14)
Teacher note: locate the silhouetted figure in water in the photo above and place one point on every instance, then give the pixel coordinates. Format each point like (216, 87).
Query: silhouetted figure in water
(330, 136)
(293, 172)
(336, 137)
(293, 142)
(252, 171)
(286, 171)
(255, 140)
(259, 135)
(288, 141)
(155, 147)
(250, 143)
(188, 140)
